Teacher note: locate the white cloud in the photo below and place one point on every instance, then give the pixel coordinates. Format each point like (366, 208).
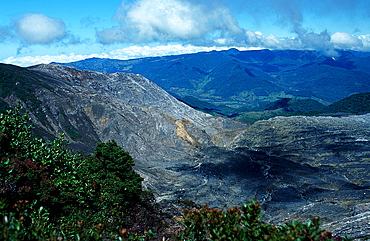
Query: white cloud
(270, 41)
(125, 53)
(210, 22)
(170, 20)
(342, 40)
(365, 41)
(307, 40)
(312, 40)
(36, 28)
(45, 59)
(253, 38)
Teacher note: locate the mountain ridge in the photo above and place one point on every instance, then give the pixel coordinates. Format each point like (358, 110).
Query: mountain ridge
(94, 93)
(263, 76)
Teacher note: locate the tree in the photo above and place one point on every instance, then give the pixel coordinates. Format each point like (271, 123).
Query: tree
(109, 175)
(70, 189)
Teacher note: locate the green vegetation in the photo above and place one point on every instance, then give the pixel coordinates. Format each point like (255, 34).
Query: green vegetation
(295, 105)
(49, 193)
(282, 107)
(69, 195)
(245, 224)
(356, 104)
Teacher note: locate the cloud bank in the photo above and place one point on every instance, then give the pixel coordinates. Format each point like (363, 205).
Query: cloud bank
(145, 21)
(36, 28)
(338, 40)
(123, 54)
(343, 40)
(211, 23)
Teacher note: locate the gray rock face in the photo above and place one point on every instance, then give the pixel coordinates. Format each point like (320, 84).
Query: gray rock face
(298, 167)
(145, 120)
(339, 148)
(357, 226)
(340, 145)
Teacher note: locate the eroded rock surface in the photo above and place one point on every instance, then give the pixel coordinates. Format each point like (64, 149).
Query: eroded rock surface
(338, 144)
(141, 117)
(339, 147)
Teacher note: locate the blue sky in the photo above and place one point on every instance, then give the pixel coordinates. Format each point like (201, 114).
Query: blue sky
(41, 31)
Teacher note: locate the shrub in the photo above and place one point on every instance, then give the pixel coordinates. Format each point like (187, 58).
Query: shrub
(76, 195)
(110, 186)
(244, 224)
(110, 173)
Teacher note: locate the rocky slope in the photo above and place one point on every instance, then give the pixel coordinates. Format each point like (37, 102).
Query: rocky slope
(298, 167)
(336, 149)
(141, 117)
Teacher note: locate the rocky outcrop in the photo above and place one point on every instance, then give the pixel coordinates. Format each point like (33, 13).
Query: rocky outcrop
(357, 226)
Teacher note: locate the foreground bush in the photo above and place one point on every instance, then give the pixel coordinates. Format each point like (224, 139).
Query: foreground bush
(244, 224)
(69, 195)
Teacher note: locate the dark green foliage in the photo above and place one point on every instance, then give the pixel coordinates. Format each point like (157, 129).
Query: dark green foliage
(295, 105)
(216, 224)
(282, 107)
(32, 169)
(18, 225)
(244, 224)
(76, 196)
(356, 104)
(110, 179)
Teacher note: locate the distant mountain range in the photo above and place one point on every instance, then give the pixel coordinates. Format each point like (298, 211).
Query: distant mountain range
(233, 83)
